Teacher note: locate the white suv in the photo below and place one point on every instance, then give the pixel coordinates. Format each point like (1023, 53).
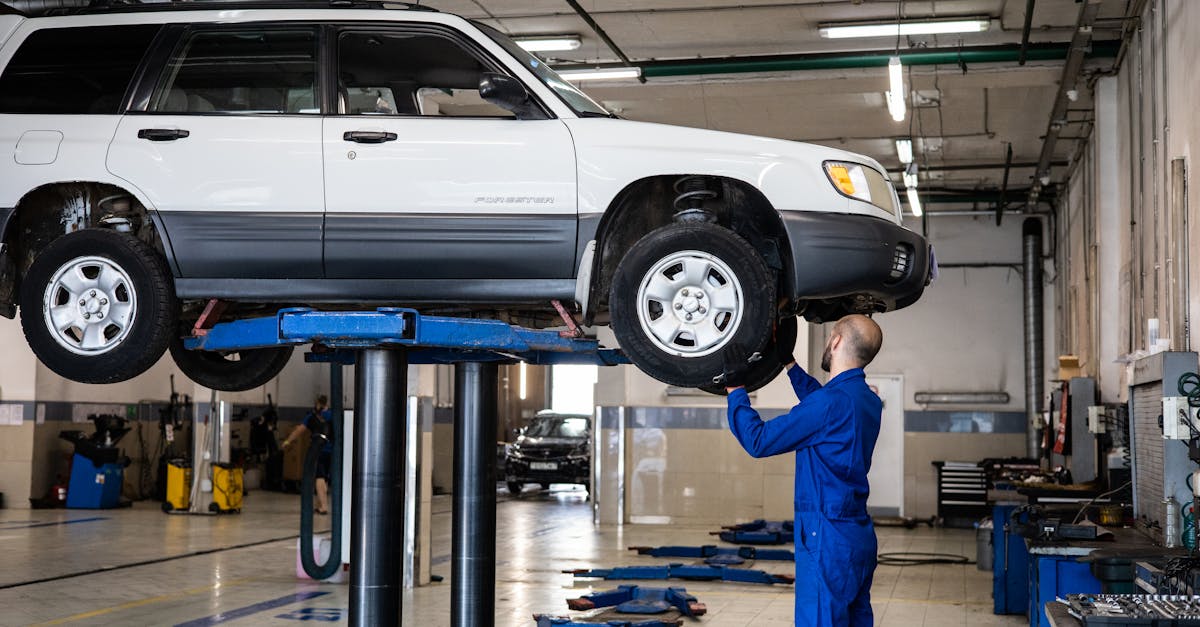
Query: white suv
(168, 158)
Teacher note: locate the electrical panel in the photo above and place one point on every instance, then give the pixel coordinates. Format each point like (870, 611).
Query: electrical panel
(1178, 419)
(1095, 415)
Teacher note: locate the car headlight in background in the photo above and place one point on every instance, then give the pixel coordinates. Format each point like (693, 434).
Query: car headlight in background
(861, 183)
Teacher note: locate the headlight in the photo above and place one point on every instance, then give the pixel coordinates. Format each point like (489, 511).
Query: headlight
(861, 183)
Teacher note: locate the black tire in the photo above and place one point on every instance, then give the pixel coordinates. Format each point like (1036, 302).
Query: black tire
(752, 331)
(214, 508)
(139, 344)
(514, 488)
(166, 507)
(765, 370)
(230, 372)
(544, 486)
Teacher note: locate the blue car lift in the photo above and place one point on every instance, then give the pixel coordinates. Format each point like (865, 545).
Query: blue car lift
(714, 555)
(546, 620)
(757, 532)
(641, 600)
(684, 571)
(381, 344)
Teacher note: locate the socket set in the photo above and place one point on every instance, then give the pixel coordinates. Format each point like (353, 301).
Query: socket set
(1135, 610)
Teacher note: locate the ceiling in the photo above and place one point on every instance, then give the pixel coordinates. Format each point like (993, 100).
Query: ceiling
(969, 119)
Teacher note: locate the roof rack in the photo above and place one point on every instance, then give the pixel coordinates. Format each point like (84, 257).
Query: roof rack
(134, 6)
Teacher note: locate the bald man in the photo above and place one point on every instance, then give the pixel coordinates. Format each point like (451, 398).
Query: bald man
(832, 432)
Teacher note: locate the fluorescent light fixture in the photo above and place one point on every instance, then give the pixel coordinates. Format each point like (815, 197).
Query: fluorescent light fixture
(555, 43)
(524, 383)
(914, 203)
(910, 175)
(895, 94)
(904, 150)
(893, 29)
(602, 74)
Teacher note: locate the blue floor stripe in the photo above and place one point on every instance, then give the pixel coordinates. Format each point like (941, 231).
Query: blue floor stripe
(241, 612)
(33, 523)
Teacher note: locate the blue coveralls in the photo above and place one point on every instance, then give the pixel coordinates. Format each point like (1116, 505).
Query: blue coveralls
(833, 432)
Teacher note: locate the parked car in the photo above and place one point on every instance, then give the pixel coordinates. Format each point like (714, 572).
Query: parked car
(554, 448)
(161, 160)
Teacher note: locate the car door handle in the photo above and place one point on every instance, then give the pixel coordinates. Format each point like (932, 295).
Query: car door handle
(369, 137)
(162, 134)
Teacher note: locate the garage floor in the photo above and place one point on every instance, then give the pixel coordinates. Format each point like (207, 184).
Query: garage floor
(244, 574)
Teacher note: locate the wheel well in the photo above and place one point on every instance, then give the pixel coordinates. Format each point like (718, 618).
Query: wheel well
(650, 203)
(56, 209)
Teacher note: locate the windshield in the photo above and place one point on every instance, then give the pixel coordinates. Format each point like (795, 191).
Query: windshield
(577, 100)
(558, 428)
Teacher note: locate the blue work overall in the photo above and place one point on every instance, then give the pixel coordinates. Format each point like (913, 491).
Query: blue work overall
(833, 432)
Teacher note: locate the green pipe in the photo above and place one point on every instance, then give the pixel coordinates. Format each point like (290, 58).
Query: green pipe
(853, 60)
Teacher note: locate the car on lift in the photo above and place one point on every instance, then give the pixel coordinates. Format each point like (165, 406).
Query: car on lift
(166, 166)
(554, 448)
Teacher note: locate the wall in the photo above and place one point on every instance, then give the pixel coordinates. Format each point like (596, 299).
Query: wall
(1124, 243)
(18, 382)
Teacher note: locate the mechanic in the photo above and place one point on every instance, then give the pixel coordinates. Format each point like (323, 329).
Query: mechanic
(319, 422)
(833, 432)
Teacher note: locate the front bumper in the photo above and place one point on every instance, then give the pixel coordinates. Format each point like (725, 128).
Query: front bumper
(849, 263)
(566, 470)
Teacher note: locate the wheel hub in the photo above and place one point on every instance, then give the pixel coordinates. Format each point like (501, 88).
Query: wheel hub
(690, 303)
(90, 305)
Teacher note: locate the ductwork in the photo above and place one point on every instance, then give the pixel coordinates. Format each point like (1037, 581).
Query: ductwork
(1035, 369)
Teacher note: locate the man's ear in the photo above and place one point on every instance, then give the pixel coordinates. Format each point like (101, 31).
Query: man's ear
(835, 342)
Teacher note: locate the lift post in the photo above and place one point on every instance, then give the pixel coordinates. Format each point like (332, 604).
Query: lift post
(382, 344)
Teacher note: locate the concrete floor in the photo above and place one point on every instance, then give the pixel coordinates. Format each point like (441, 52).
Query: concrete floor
(57, 569)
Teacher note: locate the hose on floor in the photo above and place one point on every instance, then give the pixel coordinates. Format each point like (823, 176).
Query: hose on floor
(920, 559)
(307, 484)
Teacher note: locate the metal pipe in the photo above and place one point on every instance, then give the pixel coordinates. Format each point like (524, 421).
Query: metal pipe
(1025, 30)
(856, 60)
(473, 550)
(377, 519)
(961, 167)
(1031, 247)
(600, 32)
(1003, 202)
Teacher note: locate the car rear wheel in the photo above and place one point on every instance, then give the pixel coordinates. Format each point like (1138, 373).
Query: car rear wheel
(230, 371)
(514, 488)
(98, 306)
(685, 291)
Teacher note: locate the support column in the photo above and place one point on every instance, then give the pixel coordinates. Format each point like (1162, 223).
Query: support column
(377, 534)
(473, 562)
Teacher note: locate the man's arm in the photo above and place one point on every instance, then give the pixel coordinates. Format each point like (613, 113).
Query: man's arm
(802, 382)
(793, 430)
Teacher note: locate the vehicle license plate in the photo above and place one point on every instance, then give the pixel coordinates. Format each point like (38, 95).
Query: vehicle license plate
(543, 466)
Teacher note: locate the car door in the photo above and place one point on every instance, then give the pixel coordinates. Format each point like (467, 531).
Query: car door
(425, 180)
(228, 151)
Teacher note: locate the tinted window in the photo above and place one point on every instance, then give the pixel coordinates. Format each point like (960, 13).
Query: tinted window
(558, 428)
(74, 70)
(398, 73)
(242, 71)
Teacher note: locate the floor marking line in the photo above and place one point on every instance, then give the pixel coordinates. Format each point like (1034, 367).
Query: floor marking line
(34, 523)
(263, 606)
(157, 560)
(142, 602)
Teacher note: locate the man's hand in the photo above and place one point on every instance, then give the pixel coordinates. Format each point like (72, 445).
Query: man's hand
(784, 345)
(737, 366)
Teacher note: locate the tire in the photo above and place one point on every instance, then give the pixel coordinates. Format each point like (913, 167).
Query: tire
(544, 486)
(650, 286)
(166, 507)
(766, 369)
(514, 488)
(124, 289)
(214, 508)
(230, 372)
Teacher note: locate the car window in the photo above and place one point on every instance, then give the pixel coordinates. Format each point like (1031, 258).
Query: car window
(247, 71)
(580, 102)
(410, 73)
(559, 428)
(82, 70)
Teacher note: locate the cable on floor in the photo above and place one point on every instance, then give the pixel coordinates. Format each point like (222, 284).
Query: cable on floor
(921, 559)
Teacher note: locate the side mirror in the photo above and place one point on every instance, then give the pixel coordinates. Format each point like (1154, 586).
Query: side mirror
(507, 93)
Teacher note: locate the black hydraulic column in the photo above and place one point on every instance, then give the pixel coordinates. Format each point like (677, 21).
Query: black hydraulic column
(377, 516)
(473, 561)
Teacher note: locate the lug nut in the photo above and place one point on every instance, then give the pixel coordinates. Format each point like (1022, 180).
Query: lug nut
(99, 316)
(699, 295)
(81, 302)
(684, 292)
(87, 316)
(703, 310)
(93, 293)
(689, 317)
(103, 301)
(677, 305)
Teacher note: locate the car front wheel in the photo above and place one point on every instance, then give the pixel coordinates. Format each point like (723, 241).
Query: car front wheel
(98, 306)
(684, 292)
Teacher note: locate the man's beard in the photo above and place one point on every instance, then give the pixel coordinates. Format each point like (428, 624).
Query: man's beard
(826, 359)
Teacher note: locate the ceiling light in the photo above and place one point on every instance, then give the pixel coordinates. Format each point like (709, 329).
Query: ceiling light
(904, 150)
(914, 203)
(910, 176)
(895, 95)
(893, 29)
(556, 43)
(601, 74)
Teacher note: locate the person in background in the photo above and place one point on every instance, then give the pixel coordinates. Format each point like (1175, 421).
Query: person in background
(318, 423)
